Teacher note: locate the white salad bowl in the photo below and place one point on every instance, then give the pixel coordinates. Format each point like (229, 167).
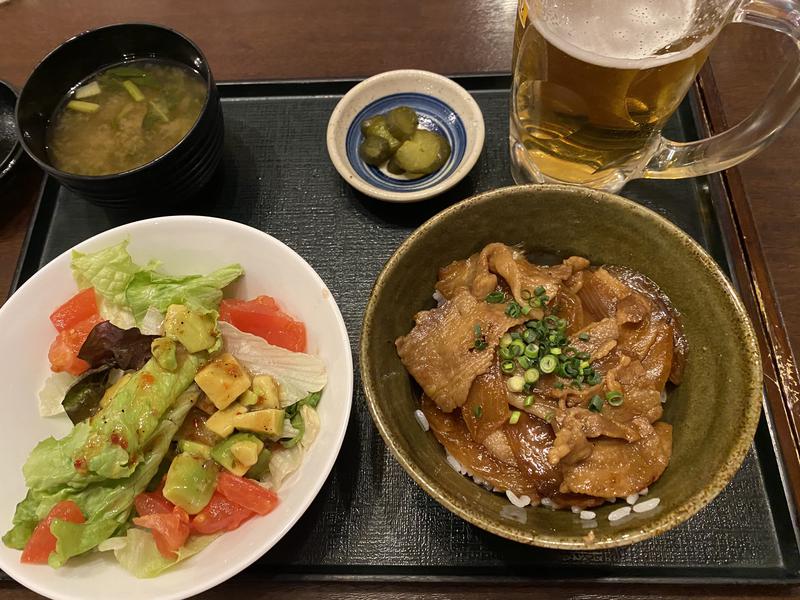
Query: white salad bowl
(184, 245)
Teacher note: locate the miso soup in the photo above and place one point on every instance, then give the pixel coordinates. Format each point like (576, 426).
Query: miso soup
(124, 116)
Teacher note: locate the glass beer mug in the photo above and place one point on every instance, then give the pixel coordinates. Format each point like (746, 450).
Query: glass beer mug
(595, 81)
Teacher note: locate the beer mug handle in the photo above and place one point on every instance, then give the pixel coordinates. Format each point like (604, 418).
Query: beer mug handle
(674, 160)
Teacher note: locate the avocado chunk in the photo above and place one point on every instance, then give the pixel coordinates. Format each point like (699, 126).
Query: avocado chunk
(194, 448)
(249, 398)
(221, 422)
(196, 331)
(190, 482)
(268, 421)
(258, 470)
(223, 380)
(267, 391)
(238, 453)
(164, 351)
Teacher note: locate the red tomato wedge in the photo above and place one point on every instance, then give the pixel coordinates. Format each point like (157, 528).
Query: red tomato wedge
(220, 514)
(42, 541)
(263, 317)
(64, 350)
(152, 503)
(169, 530)
(247, 493)
(78, 308)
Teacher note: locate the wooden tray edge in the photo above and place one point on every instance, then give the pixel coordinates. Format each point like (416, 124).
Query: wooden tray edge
(781, 380)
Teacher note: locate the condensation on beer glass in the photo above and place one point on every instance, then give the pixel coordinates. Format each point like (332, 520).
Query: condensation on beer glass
(596, 80)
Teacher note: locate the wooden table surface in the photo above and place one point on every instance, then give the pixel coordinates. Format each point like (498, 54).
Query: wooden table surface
(274, 39)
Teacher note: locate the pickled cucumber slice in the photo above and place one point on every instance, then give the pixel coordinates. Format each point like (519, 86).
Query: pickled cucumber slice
(377, 126)
(402, 122)
(394, 168)
(374, 150)
(424, 153)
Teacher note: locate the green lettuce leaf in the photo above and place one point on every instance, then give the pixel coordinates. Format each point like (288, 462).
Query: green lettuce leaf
(108, 271)
(106, 504)
(141, 557)
(148, 289)
(95, 446)
(109, 506)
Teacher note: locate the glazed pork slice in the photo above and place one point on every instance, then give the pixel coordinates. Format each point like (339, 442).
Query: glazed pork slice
(452, 433)
(481, 273)
(440, 351)
(616, 468)
(486, 409)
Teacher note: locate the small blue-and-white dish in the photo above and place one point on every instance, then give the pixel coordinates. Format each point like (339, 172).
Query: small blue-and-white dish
(443, 107)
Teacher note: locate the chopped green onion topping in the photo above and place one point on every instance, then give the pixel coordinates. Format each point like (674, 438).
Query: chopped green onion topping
(513, 309)
(558, 385)
(507, 366)
(516, 383)
(526, 310)
(515, 414)
(477, 411)
(496, 297)
(480, 339)
(614, 398)
(594, 378)
(596, 403)
(526, 294)
(539, 290)
(531, 350)
(506, 354)
(548, 363)
(506, 340)
(531, 376)
(583, 336)
(517, 347)
(529, 336)
(555, 350)
(529, 400)
(524, 362)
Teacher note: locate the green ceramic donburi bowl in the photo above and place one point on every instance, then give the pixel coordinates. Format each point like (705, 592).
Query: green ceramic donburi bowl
(714, 411)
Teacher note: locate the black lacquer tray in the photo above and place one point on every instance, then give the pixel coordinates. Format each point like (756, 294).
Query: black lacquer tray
(371, 521)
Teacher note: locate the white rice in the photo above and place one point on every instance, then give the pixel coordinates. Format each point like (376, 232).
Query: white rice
(455, 464)
(647, 505)
(514, 513)
(547, 502)
(518, 501)
(575, 509)
(587, 515)
(422, 420)
(620, 513)
(632, 499)
(644, 492)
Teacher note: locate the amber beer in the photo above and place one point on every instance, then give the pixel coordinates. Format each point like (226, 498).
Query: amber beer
(592, 91)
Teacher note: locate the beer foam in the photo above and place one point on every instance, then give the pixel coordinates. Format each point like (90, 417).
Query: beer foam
(634, 34)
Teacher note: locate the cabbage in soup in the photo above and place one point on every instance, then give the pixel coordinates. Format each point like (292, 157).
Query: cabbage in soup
(125, 116)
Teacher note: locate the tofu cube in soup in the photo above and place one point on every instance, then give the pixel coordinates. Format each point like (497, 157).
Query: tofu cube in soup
(223, 380)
